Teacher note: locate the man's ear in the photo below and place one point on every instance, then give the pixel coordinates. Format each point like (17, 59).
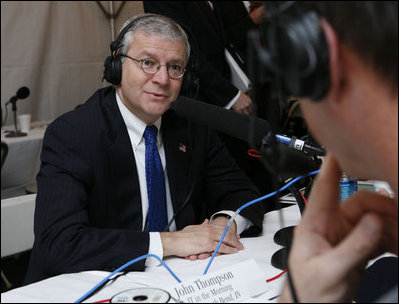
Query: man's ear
(335, 64)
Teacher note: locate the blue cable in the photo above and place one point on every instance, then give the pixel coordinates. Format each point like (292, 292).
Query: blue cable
(82, 298)
(249, 204)
(86, 295)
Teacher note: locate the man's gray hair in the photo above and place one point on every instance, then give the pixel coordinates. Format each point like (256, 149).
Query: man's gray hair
(152, 24)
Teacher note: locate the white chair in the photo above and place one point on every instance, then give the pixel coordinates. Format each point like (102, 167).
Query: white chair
(16, 226)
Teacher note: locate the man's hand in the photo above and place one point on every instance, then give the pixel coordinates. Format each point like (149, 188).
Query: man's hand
(243, 104)
(334, 241)
(221, 221)
(200, 241)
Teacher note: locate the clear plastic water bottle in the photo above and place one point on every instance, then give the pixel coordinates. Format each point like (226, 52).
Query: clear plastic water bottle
(347, 187)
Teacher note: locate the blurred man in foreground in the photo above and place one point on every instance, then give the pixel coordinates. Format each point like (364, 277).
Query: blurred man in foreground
(356, 120)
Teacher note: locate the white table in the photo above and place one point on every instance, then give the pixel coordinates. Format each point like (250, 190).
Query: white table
(70, 287)
(17, 224)
(23, 158)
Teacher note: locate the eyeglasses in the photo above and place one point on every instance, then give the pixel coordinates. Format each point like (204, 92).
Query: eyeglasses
(151, 66)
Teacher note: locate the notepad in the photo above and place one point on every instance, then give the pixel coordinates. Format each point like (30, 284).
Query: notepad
(238, 77)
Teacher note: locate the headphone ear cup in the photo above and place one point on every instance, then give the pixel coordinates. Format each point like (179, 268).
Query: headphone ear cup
(113, 70)
(300, 51)
(106, 69)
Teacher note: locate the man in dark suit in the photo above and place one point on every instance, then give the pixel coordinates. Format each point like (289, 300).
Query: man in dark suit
(237, 22)
(94, 184)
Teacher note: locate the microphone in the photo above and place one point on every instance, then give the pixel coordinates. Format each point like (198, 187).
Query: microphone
(22, 93)
(237, 125)
(300, 145)
(220, 119)
(250, 129)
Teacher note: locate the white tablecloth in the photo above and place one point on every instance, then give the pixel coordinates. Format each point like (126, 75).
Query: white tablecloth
(17, 224)
(23, 158)
(70, 287)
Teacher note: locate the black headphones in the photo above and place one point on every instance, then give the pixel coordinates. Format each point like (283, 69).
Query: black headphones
(298, 50)
(112, 71)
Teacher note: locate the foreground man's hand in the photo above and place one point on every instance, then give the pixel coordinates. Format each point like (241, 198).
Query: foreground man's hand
(334, 241)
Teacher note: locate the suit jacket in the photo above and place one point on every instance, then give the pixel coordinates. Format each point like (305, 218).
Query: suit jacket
(213, 70)
(88, 210)
(236, 22)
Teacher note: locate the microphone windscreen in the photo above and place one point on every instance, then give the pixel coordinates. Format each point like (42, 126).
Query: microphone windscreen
(247, 128)
(23, 93)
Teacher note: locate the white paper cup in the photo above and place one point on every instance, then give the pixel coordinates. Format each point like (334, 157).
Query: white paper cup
(24, 123)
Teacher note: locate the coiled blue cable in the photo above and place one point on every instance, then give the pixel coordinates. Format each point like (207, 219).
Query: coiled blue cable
(86, 295)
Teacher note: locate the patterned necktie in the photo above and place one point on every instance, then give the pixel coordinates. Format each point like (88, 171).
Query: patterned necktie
(157, 213)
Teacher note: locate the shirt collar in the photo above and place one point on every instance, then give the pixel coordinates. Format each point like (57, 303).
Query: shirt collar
(134, 125)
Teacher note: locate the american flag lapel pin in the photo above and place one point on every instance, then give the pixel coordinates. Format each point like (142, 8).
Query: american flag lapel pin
(182, 148)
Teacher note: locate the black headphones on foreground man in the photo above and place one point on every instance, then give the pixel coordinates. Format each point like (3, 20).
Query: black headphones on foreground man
(113, 64)
(298, 49)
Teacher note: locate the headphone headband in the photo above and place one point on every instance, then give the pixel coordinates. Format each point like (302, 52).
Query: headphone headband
(116, 43)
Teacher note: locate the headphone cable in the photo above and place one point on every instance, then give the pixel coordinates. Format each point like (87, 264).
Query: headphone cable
(182, 207)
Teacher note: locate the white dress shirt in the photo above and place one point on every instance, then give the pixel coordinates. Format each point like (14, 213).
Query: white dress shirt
(136, 128)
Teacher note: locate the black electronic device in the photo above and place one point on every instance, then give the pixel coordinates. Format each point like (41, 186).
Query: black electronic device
(280, 258)
(283, 237)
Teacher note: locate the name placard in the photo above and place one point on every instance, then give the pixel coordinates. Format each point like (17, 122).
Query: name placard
(231, 284)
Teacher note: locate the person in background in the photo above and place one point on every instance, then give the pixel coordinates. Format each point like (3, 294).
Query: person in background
(239, 17)
(122, 175)
(207, 22)
(357, 122)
